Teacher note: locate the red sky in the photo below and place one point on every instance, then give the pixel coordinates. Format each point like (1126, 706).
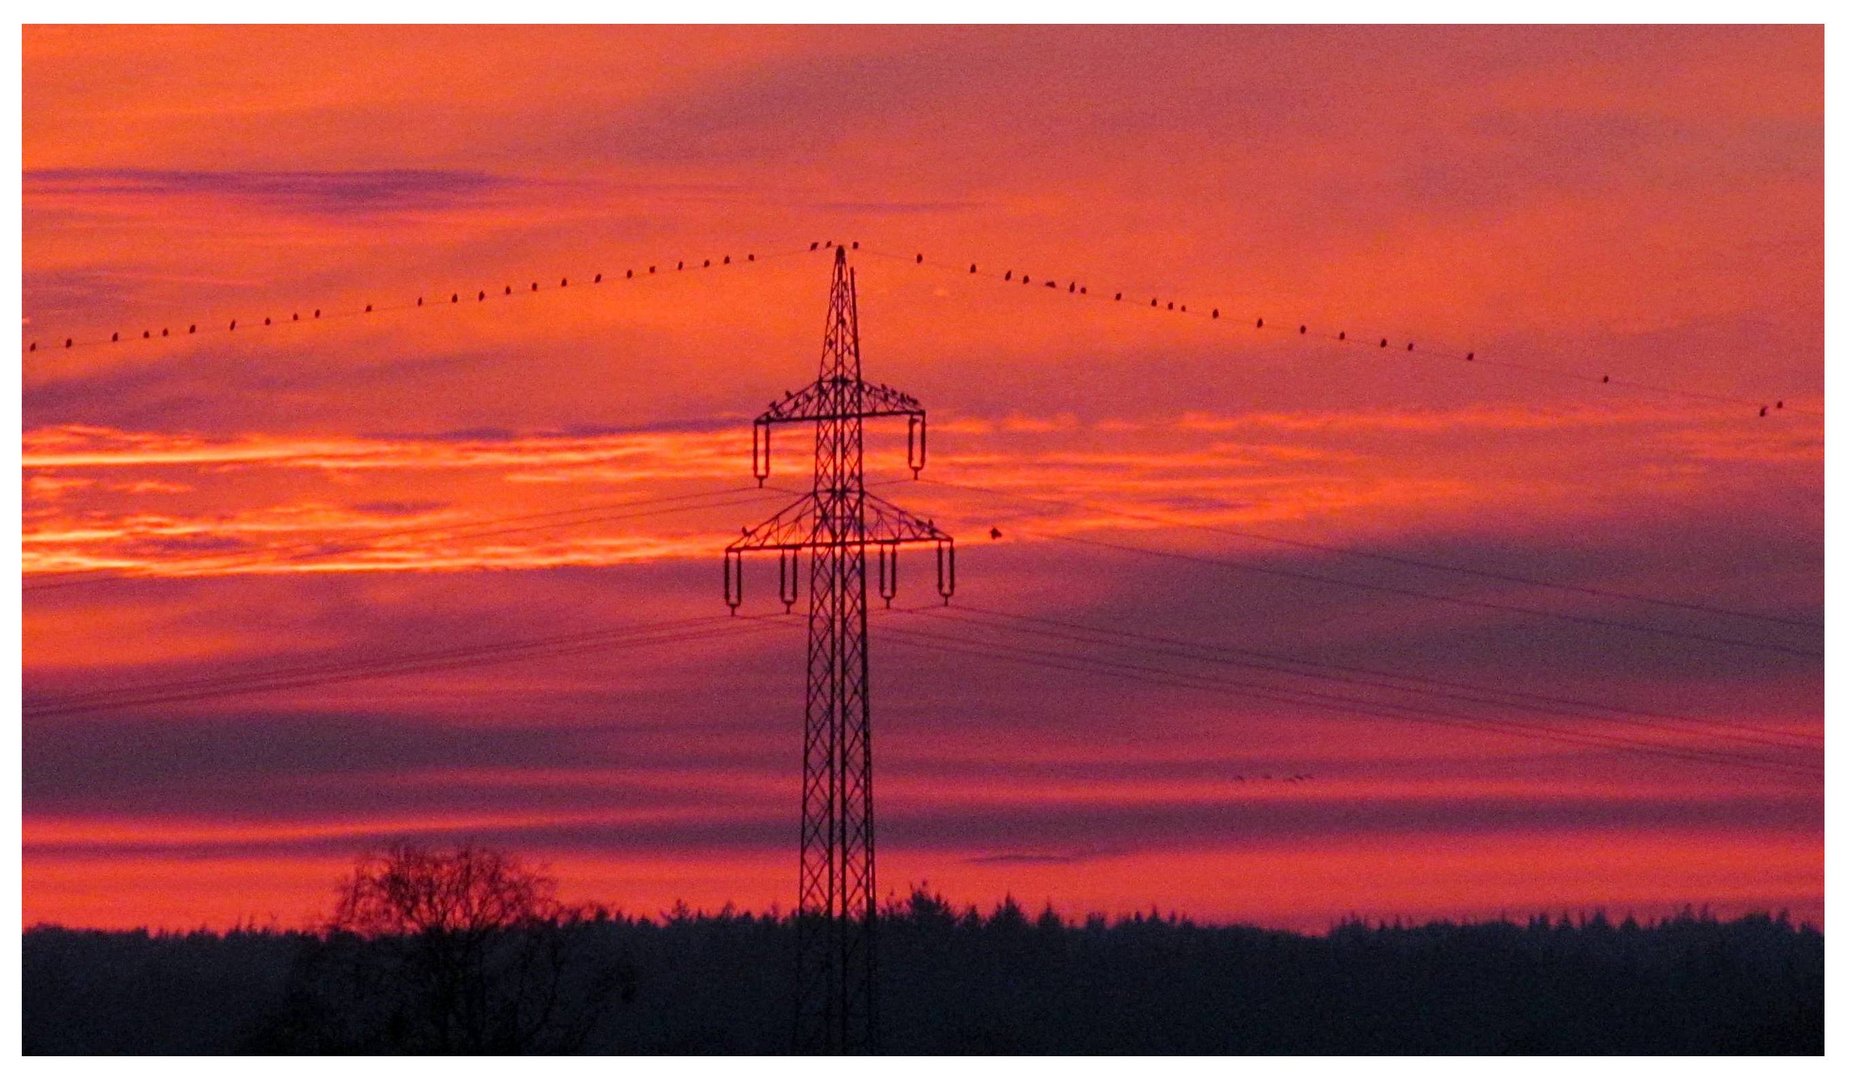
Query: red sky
(1640, 203)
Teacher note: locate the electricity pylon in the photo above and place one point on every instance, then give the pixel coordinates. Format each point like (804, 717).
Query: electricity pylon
(835, 523)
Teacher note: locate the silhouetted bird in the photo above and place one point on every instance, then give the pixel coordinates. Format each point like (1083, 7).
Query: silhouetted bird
(994, 533)
(1605, 378)
(1780, 405)
(1762, 410)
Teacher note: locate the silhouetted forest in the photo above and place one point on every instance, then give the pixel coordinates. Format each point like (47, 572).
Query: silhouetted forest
(951, 981)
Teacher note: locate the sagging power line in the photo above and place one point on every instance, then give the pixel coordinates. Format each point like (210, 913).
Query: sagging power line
(1245, 565)
(372, 666)
(1338, 703)
(1222, 655)
(165, 331)
(1553, 703)
(1388, 557)
(1072, 287)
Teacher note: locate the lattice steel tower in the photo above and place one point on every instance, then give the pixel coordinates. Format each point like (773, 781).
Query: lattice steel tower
(835, 523)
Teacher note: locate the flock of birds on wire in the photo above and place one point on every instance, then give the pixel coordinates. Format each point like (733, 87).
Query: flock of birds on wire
(1071, 287)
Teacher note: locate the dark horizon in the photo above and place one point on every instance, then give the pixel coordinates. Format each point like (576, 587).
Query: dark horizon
(1007, 983)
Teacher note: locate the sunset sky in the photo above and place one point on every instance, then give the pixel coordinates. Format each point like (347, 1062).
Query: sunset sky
(1229, 532)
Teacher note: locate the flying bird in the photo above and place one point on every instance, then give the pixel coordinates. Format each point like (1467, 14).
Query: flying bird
(994, 533)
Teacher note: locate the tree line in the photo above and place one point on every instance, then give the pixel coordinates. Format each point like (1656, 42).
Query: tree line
(470, 951)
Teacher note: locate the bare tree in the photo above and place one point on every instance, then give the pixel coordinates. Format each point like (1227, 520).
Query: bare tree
(460, 951)
(409, 890)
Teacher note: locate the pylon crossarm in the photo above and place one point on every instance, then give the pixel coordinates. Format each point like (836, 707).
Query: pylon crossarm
(888, 524)
(796, 527)
(820, 401)
(788, 529)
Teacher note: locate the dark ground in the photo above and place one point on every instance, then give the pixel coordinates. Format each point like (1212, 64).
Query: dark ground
(950, 982)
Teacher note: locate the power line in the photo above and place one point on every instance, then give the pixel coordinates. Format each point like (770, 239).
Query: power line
(366, 662)
(170, 331)
(634, 635)
(1401, 560)
(1548, 699)
(1457, 691)
(1300, 575)
(1159, 676)
(1074, 290)
(1488, 605)
(1083, 664)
